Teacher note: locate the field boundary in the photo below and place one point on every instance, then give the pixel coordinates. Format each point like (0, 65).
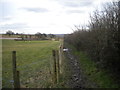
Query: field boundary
(56, 59)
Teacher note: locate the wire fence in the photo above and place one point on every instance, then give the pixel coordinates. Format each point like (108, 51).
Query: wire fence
(33, 77)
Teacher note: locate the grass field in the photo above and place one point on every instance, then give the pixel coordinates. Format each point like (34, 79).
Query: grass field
(34, 61)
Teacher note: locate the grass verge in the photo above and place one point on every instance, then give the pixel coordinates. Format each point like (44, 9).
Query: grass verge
(89, 68)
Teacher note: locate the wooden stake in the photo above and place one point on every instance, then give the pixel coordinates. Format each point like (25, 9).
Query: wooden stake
(60, 57)
(15, 73)
(54, 66)
(58, 66)
(18, 79)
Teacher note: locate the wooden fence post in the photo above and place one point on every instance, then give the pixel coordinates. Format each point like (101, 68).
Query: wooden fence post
(15, 72)
(60, 57)
(54, 66)
(18, 79)
(58, 65)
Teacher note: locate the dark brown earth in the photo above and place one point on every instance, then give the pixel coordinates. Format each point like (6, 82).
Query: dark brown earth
(77, 79)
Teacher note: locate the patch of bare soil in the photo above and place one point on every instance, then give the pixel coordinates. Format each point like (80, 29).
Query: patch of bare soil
(77, 79)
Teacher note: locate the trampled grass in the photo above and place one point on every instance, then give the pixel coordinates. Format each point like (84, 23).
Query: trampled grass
(34, 61)
(89, 68)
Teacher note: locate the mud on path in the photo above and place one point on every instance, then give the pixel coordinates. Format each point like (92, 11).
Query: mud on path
(77, 79)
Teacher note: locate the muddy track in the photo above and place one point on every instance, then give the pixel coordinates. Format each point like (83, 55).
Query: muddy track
(77, 78)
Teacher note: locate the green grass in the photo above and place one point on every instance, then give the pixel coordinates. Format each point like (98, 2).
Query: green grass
(65, 73)
(34, 61)
(100, 77)
(89, 68)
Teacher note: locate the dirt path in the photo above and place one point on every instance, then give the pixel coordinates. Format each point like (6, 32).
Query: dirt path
(77, 78)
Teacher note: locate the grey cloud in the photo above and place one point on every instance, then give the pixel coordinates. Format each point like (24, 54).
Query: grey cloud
(5, 18)
(75, 11)
(14, 26)
(37, 10)
(70, 4)
(6, 10)
(76, 3)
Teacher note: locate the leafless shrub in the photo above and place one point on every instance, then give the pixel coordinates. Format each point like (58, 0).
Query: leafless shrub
(102, 41)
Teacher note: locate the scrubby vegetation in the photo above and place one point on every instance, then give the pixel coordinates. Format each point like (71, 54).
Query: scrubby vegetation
(101, 42)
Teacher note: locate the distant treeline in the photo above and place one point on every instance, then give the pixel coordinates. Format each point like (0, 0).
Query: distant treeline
(37, 36)
(101, 41)
(10, 33)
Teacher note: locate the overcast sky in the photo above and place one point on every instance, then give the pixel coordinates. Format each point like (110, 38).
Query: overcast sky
(45, 16)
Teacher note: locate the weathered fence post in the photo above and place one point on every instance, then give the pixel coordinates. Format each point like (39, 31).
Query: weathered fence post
(60, 57)
(54, 66)
(58, 65)
(18, 79)
(15, 72)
